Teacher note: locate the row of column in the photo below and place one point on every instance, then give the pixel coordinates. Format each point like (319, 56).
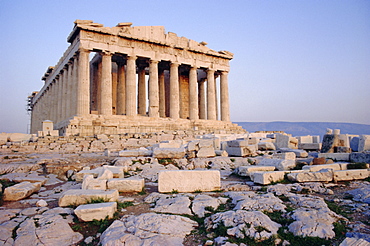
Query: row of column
(130, 104)
(58, 100)
(69, 92)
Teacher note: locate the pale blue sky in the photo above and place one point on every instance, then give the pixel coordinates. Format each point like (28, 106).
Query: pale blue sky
(293, 60)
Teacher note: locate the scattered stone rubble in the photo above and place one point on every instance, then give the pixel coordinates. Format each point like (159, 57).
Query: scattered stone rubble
(232, 182)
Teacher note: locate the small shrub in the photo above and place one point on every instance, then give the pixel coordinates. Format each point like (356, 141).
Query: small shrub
(174, 192)
(198, 191)
(102, 224)
(336, 208)
(97, 200)
(121, 205)
(250, 161)
(357, 165)
(210, 209)
(142, 192)
(232, 159)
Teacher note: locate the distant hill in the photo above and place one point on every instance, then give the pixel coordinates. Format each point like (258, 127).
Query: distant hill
(305, 128)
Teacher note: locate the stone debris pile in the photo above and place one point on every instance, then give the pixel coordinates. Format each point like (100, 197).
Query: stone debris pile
(223, 188)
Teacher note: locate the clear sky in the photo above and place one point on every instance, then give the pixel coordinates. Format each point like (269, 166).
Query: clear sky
(293, 60)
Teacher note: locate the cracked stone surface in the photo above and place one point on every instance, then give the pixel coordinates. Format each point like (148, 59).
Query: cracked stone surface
(148, 229)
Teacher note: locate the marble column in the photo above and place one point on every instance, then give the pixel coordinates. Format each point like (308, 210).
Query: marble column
(162, 94)
(69, 90)
(202, 100)
(193, 100)
(211, 106)
(83, 83)
(121, 89)
(153, 89)
(106, 85)
(141, 96)
(174, 91)
(58, 98)
(224, 91)
(131, 86)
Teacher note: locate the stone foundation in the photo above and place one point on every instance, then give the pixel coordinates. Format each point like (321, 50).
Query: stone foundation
(120, 124)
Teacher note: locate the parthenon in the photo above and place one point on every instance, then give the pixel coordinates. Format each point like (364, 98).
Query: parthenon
(114, 80)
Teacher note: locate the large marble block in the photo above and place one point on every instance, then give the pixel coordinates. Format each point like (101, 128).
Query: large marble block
(77, 197)
(96, 211)
(132, 184)
(189, 180)
(20, 191)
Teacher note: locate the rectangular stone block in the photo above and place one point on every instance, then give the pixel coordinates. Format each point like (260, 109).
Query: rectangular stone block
(188, 180)
(364, 143)
(354, 174)
(247, 170)
(285, 156)
(206, 152)
(360, 157)
(131, 184)
(324, 175)
(241, 151)
(335, 156)
(20, 191)
(170, 144)
(237, 143)
(175, 153)
(315, 168)
(135, 152)
(266, 178)
(96, 211)
(77, 197)
(310, 146)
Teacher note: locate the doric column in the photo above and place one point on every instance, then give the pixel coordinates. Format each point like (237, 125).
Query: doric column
(153, 89)
(224, 90)
(202, 100)
(193, 100)
(62, 88)
(162, 94)
(131, 86)
(216, 100)
(174, 91)
(121, 89)
(211, 106)
(83, 83)
(69, 89)
(64, 79)
(58, 98)
(106, 85)
(141, 95)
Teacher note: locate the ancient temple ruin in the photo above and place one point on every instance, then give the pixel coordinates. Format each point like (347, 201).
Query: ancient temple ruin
(115, 80)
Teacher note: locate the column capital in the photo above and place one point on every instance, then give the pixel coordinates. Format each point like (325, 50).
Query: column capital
(174, 64)
(83, 50)
(131, 57)
(224, 72)
(153, 61)
(211, 70)
(106, 53)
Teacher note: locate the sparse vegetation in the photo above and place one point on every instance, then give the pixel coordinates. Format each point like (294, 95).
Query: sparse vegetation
(96, 200)
(357, 165)
(121, 205)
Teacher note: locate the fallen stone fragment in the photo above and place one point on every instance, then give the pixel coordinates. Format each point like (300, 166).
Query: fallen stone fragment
(252, 201)
(280, 164)
(90, 183)
(247, 170)
(135, 152)
(324, 175)
(96, 211)
(241, 224)
(189, 180)
(351, 241)
(78, 197)
(361, 194)
(131, 184)
(353, 174)
(41, 203)
(31, 179)
(203, 202)
(48, 229)
(20, 191)
(175, 153)
(315, 168)
(148, 229)
(313, 217)
(172, 204)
